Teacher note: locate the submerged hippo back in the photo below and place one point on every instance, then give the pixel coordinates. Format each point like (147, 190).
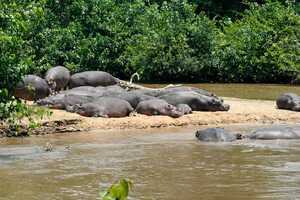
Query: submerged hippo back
(92, 78)
(215, 135)
(274, 133)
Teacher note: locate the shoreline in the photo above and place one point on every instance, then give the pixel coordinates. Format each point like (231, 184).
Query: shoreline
(242, 111)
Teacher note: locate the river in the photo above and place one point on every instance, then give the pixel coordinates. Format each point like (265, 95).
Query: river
(167, 164)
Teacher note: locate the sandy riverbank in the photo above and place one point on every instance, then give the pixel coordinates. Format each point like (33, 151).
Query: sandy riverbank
(242, 112)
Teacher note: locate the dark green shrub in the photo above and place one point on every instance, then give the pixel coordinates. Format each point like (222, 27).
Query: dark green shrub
(174, 44)
(261, 47)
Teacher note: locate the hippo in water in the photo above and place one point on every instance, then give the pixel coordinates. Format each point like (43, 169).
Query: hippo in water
(57, 78)
(31, 88)
(288, 101)
(274, 133)
(216, 135)
(196, 101)
(157, 107)
(104, 107)
(92, 78)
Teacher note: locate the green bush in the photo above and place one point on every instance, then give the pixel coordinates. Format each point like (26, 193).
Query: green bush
(174, 44)
(261, 47)
(163, 40)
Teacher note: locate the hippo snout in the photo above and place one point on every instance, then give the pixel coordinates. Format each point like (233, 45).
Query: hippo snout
(225, 107)
(176, 113)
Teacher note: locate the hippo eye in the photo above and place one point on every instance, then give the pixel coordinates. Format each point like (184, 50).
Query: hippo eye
(169, 106)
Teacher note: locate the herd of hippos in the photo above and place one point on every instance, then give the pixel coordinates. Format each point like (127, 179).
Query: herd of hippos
(99, 94)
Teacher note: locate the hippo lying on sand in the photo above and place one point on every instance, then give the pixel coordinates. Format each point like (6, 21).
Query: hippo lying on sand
(158, 107)
(274, 133)
(32, 88)
(161, 92)
(186, 89)
(288, 101)
(133, 99)
(196, 101)
(104, 107)
(62, 101)
(216, 135)
(57, 78)
(92, 78)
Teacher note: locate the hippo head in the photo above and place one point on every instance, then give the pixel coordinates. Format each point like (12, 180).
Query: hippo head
(55, 102)
(217, 105)
(52, 85)
(171, 111)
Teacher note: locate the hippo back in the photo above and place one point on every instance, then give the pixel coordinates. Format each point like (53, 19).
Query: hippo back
(185, 89)
(58, 77)
(196, 101)
(274, 133)
(32, 88)
(215, 135)
(92, 78)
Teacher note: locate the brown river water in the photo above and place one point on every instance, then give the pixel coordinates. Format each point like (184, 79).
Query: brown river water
(164, 164)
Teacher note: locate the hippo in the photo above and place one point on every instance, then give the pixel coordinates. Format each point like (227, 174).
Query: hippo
(148, 92)
(112, 88)
(84, 89)
(32, 88)
(184, 108)
(158, 107)
(288, 101)
(216, 135)
(57, 78)
(104, 107)
(163, 91)
(132, 98)
(92, 78)
(186, 89)
(276, 133)
(62, 100)
(196, 101)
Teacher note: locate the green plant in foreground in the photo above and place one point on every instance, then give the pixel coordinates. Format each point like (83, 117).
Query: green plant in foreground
(18, 116)
(118, 191)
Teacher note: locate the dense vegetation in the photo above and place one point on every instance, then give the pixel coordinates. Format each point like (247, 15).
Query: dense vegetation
(165, 41)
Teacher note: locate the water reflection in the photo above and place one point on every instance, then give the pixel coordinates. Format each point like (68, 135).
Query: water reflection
(166, 164)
